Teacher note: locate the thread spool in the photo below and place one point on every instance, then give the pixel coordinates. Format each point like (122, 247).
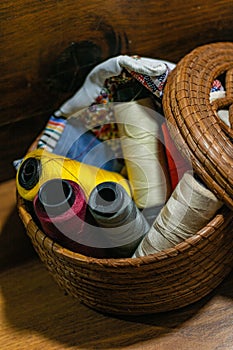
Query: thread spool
(190, 207)
(40, 166)
(177, 165)
(57, 196)
(60, 207)
(151, 213)
(140, 131)
(120, 221)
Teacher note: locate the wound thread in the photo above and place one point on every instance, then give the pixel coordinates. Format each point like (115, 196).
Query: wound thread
(120, 220)
(140, 131)
(54, 166)
(60, 207)
(190, 207)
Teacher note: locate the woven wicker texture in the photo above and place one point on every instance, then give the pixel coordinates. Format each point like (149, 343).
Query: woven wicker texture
(167, 280)
(193, 121)
(189, 271)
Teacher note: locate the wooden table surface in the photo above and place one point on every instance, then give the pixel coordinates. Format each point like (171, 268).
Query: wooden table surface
(36, 315)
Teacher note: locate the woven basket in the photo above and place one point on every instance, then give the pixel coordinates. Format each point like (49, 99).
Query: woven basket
(193, 121)
(186, 273)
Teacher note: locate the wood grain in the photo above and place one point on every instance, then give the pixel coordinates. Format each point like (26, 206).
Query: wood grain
(36, 315)
(15, 246)
(35, 33)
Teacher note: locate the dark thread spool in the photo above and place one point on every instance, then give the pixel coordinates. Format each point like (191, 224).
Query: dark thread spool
(29, 173)
(118, 217)
(107, 199)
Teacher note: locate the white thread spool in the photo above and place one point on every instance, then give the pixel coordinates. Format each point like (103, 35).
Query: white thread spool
(190, 207)
(140, 132)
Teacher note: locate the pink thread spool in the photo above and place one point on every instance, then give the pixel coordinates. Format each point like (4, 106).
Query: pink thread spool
(60, 206)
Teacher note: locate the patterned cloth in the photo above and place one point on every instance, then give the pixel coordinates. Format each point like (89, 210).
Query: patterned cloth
(217, 86)
(154, 84)
(52, 132)
(127, 85)
(99, 119)
(79, 143)
(121, 78)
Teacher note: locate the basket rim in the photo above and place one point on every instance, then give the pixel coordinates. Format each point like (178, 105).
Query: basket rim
(222, 217)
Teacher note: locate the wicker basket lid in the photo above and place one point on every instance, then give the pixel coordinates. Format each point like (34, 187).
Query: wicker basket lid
(193, 121)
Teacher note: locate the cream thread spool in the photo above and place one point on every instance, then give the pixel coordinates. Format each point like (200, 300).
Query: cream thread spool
(140, 132)
(190, 207)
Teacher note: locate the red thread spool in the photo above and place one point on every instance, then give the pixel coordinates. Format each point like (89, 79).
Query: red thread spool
(60, 206)
(177, 165)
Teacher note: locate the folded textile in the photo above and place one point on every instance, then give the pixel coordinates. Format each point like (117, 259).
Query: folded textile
(139, 66)
(79, 143)
(97, 91)
(52, 132)
(217, 91)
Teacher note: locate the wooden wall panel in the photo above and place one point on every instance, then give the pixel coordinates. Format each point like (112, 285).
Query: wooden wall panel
(34, 33)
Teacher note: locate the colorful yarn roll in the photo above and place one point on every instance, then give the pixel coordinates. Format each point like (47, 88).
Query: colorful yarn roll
(177, 164)
(79, 143)
(40, 166)
(60, 207)
(145, 159)
(190, 207)
(122, 224)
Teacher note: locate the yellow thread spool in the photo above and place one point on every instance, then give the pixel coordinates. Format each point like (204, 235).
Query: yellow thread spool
(54, 166)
